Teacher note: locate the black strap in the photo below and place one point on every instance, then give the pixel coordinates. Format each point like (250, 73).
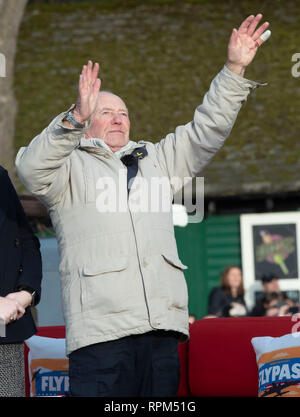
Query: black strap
(131, 162)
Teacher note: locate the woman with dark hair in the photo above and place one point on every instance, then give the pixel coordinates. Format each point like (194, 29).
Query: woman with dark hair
(20, 287)
(228, 299)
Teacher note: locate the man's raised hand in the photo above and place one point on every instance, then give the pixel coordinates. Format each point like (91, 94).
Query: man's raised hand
(244, 43)
(88, 90)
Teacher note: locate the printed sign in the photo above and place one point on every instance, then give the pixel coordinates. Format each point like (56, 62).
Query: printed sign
(279, 373)
(270, 244)
(275, 250)
(48, 367)
(49, 377)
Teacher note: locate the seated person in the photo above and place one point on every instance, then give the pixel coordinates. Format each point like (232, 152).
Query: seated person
(269, 283)
(228, 299)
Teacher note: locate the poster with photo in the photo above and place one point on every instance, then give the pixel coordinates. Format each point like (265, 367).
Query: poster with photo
(270, 244)
(275, 250)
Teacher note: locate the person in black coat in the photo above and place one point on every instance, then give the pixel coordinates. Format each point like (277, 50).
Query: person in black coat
(20, 286)
(228, 299)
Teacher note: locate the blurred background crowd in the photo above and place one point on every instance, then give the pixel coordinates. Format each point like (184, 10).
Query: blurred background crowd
(228, 300)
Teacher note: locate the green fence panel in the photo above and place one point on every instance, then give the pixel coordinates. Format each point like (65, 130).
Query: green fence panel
(207, 248)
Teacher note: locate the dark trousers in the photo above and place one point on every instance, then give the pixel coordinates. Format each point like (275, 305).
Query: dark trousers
(145, 365)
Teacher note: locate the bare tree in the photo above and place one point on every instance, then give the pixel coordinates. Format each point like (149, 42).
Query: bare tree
(11, 12)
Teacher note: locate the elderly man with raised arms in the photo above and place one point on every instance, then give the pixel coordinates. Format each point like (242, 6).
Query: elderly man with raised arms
(125, 300)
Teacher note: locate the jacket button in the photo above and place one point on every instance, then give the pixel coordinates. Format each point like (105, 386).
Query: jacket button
(17, 242)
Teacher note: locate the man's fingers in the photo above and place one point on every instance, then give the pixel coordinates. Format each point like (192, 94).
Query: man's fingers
(233, 38)
(260, 31)
(89, 73)
(95, 71)
(244, 26)
(253, 24)
(248, 27)
(263, 38)
(89, 69)
(82, 76)
(84, 70)
(234, 35)
(96, 86)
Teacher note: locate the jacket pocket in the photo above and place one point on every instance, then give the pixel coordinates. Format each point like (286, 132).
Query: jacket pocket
(174, 260)
(174, 281)
(105, 284)
(72, 293)
(105, 265)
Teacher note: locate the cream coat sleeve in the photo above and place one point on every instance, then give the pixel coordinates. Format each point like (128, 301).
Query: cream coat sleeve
(44, 165)
(187, 151)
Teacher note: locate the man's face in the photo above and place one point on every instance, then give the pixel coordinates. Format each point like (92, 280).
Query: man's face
(272, 286)
(110, 121)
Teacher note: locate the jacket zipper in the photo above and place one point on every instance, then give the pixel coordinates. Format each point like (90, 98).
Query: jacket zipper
(137, 252)
(138, 256)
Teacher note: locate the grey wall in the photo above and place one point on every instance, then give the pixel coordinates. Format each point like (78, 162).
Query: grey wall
(49, 311)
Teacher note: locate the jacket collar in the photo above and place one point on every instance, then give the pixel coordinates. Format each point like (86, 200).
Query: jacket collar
(99, 147)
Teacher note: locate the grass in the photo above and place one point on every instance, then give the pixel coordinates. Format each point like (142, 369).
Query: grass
(160, 56)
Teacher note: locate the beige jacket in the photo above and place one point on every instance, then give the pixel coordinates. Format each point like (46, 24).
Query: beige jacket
(120, 270)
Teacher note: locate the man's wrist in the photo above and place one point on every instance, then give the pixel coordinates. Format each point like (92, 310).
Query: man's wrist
(73, 120)
(236, 68)
(77, 116)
